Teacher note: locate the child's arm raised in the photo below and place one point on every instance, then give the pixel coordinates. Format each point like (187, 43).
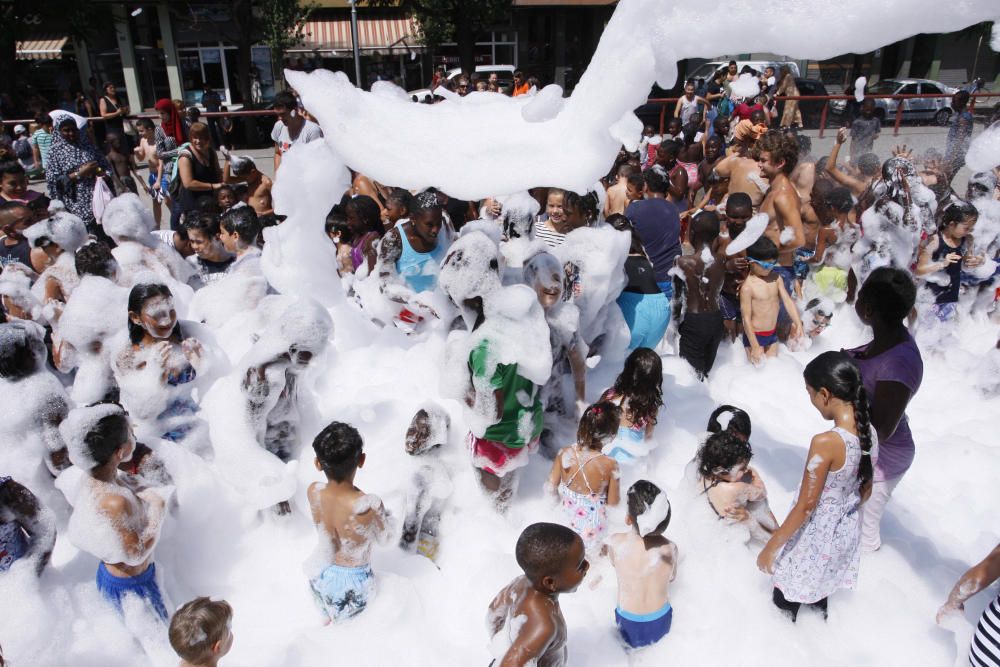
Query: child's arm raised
(821, 452)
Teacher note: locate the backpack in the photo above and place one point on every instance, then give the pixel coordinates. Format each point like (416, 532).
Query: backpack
(22, 149)
(725, 107)
(174, 189)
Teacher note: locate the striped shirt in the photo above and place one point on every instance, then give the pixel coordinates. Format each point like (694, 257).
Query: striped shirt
(547, 235)
(43, 140)
(985, 649)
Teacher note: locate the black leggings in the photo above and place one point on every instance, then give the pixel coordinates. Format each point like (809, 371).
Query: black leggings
(792, 608)
(701, 334)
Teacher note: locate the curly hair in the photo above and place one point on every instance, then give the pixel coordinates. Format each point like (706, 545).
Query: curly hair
(781, 147)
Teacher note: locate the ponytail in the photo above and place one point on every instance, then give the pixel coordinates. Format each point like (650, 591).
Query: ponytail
(862, 420)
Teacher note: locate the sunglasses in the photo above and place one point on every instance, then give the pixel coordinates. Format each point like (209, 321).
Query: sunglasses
(767, 266)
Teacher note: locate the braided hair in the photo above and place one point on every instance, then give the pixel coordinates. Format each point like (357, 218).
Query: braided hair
(837, 373)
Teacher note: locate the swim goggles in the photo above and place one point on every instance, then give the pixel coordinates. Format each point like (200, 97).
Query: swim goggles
(767, 266)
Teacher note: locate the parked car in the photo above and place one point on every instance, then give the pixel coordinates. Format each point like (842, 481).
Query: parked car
(706, 70)
(505, 79)
(937, 109)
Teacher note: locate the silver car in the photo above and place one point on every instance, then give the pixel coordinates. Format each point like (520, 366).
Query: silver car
(937, 109)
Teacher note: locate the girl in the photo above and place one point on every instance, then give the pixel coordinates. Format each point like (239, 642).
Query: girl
(397, 207)
(585, 479)
(158, 365)
(551, 228)
(638, 392)
(579, 210)
(818, 548)
(364, 220)
(948, 252)
(732, 488)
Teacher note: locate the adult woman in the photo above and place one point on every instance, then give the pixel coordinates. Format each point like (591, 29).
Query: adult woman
(157, 368)
(199, 171)
(786, 86)
(891, 369)
(112, 111)
(74, 166)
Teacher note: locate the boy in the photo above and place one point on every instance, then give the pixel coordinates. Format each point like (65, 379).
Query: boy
(111, 521)
(737, 211)
(618, 199)
(14, 183)
(200, 632)
(554, 561)
(41, 138)
(864, 130)
(210, 259)
(645, 563)
(238, 231)
(23, 152)
(15, 217)
(350, 519)
(703, 273)
(244, 170)
(158, 179)
(27, 528)
(761, 297)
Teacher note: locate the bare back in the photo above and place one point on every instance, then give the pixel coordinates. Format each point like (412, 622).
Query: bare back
(744, 176)
(702, 282)
(527, 626)
(645, 567)
(350, 518)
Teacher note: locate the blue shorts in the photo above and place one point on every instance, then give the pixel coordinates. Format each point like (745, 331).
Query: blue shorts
(164, 186)
(343, 592)
(787, 275)
(764, 338)
(647, 317)
(800, 265)
(729, 306)
(142, 585)
(640, 630)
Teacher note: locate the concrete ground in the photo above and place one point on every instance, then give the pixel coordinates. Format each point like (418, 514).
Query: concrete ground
(919, 138)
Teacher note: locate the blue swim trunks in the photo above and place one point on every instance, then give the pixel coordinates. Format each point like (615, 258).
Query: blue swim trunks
(142, 585)
(800, 265)
(343, 592)
(764, 338)
(640, 630)
(787, 275)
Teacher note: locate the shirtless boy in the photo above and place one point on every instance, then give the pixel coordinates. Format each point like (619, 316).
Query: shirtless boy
(743, 174)
(702, 330)
(645, 563)
(527, 609)
(244, 170)
(618, 198)
(761, 297)
(349, 523)
(110, 520)
(158, 181)
(777, 155)
(737, 211)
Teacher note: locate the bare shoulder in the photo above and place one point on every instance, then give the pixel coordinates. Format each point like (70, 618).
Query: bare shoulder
(113, 504)
(826, 442)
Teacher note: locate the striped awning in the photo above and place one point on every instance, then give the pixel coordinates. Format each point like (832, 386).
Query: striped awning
(45, 48)
(398, 35)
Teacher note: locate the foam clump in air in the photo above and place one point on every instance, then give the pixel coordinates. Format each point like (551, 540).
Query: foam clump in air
(753, 231)
(859, 88)
(745, 87)
(984, 151)
(63, 228)
(127, 218)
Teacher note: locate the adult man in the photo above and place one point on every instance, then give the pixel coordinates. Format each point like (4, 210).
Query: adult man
(658, 224)
(687, 105)
(777, 154)
(291, 128)
(212, 102)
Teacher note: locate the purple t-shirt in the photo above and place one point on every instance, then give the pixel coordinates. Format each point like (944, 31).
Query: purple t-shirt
(900, 363)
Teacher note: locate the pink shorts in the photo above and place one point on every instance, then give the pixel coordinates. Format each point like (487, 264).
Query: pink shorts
(497, 458)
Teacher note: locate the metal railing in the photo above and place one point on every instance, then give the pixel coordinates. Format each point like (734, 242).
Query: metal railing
(133, 117)
(666, 101)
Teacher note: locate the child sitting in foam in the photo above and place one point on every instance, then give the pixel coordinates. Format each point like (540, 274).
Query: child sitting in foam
(585, 479)
(645, 563)
(349, 523)
(430, 485)
(638, 392)
(59, 237)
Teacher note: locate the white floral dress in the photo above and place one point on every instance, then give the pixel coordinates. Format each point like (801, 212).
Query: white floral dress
(824, 554)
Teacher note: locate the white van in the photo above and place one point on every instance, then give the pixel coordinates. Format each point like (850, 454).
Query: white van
(706, 70)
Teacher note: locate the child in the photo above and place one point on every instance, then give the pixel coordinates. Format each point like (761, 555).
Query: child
(397, 207)
(544, 274)
(554, 561)
(729, 419)
(225, 198)
(201, 633)
(27, 528)
(123, 164)
(349, 522)
(430, 486)
(41, 139)
(732, 488)
(110, 521)
(338, 231)
(238, 231)
(817, 549)
(645, 563)
(364, 220)
(760, 297)
(638, 392)
(702, 275)
(15, 217)
(158, 180)
(736, 212)
(864, 130)
(552, 228)
(257, 192)
(644, 306)
(948, 252)
(586, 492)
(58, 237)
(210, 258)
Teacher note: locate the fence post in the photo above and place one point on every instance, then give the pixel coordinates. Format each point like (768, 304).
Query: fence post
(899, 117)
(822, 118)
(663, 114)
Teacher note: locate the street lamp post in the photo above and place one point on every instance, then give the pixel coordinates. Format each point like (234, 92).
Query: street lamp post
(354, 43)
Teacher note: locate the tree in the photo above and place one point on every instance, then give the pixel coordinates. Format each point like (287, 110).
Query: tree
(456, 21)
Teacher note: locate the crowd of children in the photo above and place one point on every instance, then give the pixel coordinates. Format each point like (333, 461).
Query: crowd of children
(114, 338)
